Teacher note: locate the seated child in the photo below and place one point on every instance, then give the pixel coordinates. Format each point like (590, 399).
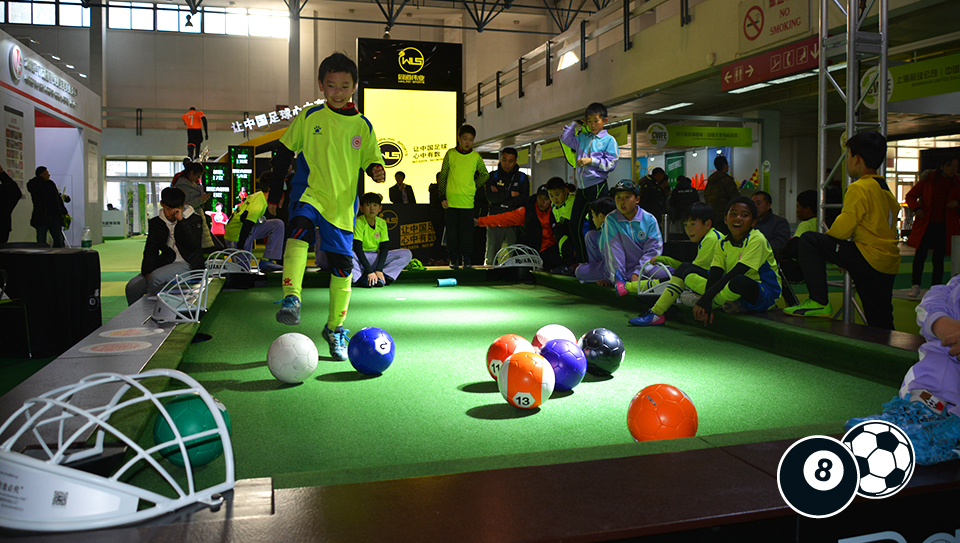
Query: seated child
(374, 264)
(246, 226)
(927, 408)
(537, 223)
(698, 224)
(743, 274)
(562, 198)
(599, 210)
(630, 237)
(807, 215)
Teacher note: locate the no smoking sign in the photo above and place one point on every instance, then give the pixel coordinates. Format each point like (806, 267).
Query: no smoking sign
(766, 22)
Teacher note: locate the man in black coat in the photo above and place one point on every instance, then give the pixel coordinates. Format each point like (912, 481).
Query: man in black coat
(10, 194)
(48, 208)
(401, 193)
(173, 246)
(506, 189)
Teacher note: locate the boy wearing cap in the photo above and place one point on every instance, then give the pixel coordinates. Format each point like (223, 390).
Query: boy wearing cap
(630, 237)
(173, 245)
(538, 223)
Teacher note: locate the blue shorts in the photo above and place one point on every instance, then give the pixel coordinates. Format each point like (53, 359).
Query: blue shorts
(765, 300)
(332, 239)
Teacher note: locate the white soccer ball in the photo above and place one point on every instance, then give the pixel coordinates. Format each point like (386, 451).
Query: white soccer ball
(292, 358)
(885, 457)
(552, 331)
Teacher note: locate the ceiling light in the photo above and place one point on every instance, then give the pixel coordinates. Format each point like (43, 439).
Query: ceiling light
(568, 59)
(668, 108)
(54, 57)
(750, 88)
(85, 76)
(793, 78)
(69, 66)
(694, 153)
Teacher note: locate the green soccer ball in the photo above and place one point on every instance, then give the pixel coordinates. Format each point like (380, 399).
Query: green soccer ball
(191, 416)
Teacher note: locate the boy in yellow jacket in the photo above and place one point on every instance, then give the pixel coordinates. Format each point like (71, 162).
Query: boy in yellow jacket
(869, 217)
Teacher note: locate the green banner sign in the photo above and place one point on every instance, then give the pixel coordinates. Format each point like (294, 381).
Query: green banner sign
(914, 80)
(674, 167)
(660, 136)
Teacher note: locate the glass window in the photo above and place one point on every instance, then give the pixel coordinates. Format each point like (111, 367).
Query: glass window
(907, 164)
(44, 14)
(164, 168)
(116, 168)
(214, 20)
(195, 21)
(908, 152)
(71, 15)
(260, 23)
(167, 20)
(20, 13)
(142, 18)
(3, 12)
(118, 15)
(137, 168)
(236, 21)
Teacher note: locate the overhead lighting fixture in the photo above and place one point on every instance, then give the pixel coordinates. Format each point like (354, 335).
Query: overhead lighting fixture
(790, 78)
(82, 75)
(54, 57)
(694, 153)
(750, 88)
(668, 108)
(568, 59)
(69, 66)
(26, 39)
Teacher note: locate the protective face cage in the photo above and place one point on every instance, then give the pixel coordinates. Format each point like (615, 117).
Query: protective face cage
(518, 256)
(183, 298)
(43, 487)
(657, 289)
(227, 261)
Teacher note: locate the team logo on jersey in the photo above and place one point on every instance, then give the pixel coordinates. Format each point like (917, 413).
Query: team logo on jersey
(15, 62)
(317, 130)
(392, 151)
(356, 142)
(411, 60)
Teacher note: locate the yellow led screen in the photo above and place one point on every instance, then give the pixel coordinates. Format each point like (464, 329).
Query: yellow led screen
(414, 129)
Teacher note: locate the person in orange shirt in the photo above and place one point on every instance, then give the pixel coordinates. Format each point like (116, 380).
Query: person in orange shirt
(195, 120)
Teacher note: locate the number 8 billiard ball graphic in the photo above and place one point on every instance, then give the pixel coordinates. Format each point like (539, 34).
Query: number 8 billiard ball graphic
(818, 477)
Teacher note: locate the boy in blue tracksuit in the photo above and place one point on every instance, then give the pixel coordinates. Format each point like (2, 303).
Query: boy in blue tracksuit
(597, 154)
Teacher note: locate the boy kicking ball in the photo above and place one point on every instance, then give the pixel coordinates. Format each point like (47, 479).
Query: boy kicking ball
(743, 273)
(336, 145)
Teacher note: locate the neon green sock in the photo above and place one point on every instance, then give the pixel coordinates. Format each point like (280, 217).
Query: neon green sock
(339, 300)
(294, 266)
(698, 284)
(669, 296)
(634, 287)
(726, 295)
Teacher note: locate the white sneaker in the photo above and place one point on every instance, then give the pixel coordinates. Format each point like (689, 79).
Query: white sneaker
(689, 298)
(914, 291)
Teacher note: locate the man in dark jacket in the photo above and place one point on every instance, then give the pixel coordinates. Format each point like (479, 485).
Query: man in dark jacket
(173, 246)
(48, 208)
(654, 191)
(10, 194)
(401, 193)
(507, 189)
(682, 197)
(537, 230)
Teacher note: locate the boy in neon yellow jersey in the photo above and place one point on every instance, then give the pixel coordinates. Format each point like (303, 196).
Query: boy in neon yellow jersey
(562, 199)
(461, 173)
(336, 145)
(872, 258)
(743, 273)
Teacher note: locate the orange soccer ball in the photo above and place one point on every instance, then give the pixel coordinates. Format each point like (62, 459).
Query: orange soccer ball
(502, 348)
(661, 412)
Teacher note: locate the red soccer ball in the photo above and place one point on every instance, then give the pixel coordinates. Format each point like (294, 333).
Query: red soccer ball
(502, 348)
(661, 412)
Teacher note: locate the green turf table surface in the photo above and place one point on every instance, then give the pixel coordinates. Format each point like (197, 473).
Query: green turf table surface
(436, 410)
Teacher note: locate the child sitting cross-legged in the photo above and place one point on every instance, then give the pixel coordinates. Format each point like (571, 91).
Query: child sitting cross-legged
(743, 272)
(622, 250)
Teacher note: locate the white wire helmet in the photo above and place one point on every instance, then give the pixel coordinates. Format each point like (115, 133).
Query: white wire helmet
(232, 261)
(41, 491)
(651, 271)
(518, 256)
(183, 298)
